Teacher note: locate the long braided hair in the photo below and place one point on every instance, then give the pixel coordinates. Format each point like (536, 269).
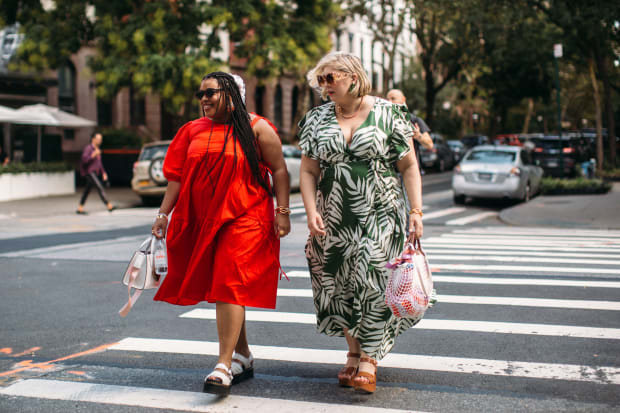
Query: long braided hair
(240, 127)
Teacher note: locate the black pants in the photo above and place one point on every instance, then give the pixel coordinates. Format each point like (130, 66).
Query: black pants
(93, 180)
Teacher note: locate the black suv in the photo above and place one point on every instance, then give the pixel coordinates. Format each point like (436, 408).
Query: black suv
(474, 140)
(547, 154)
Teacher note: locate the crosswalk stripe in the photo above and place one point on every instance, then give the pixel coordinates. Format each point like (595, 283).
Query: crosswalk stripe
(489, 246)
(443, 212)
(525, 281)
(527, 253)
(435, 324)
(503, 301)
(532, 370)
(506, 258)
(522, 268)
(298, 210)
(170, 399)
(545, 232)
(526, 241)
(502, 281)
(472, 218)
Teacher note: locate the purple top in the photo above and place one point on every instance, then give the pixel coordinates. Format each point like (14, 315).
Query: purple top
(89, 164)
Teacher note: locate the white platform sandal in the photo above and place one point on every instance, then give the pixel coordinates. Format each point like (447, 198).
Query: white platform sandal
(242, 367)
(218, 381)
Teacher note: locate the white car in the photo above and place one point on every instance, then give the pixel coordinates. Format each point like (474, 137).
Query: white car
(148, 181)
(489, 171)
(292, 157)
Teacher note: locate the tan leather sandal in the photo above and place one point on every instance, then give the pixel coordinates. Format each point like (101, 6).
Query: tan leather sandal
(365, 381)
(346, 374)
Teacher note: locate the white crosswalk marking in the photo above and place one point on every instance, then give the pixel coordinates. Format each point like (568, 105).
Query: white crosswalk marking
(472, 218)
(555, 371)
(442, 212)
(433, 324)
(170, 399)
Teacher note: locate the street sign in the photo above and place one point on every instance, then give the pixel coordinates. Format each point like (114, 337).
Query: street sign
(557, 50)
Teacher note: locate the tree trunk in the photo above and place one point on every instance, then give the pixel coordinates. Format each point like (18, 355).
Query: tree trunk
(599, 120)
(528, 115)
(430, 96)
(609, 112)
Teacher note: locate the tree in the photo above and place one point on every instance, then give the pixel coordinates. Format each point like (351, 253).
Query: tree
(592, 28)
(387, 20)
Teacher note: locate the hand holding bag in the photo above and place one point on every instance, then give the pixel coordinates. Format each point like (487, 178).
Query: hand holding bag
(140, 274)
(410, 287)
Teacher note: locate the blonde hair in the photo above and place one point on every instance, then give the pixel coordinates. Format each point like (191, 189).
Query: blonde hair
(346, 63)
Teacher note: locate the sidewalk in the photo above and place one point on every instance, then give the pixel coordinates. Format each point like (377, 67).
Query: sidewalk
(568, 211)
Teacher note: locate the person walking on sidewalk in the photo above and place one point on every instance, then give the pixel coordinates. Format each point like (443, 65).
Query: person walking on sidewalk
(423, 138)
(223, 237)
(356, 211)
(91, 168)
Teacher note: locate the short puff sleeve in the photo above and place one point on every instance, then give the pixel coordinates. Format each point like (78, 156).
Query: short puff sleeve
(177, 153)
(402, 133)
(307, 135)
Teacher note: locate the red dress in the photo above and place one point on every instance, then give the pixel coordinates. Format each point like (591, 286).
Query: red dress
(221, 240)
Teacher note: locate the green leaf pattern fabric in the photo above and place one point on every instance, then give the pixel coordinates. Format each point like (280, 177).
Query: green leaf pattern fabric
(361, 201)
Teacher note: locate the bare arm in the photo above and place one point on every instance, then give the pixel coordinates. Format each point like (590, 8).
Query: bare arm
(408, 167)
(167, 205)
(425, 140)
(271, 150)
(309, 174)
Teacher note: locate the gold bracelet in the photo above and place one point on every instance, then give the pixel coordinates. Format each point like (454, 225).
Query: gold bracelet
(283, 210)
(416, 211)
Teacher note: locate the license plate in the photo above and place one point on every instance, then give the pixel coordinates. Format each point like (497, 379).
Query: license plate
(485, 176)
(144, 182)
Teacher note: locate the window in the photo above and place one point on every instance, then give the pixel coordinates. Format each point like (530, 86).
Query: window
(350, 42)
(66, 87)
(338, 33)
(259, 92)
(104, 112)
(362, 51)
(491, 156)
(294, 98)
(277, 107)
(136, 108)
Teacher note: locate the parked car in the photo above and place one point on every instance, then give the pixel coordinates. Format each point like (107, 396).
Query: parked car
(292, 157)
(511, 139)
(474, 140)
(458, 149)
(440, 157)
(148, 181)
(548, 149)
(490, 171)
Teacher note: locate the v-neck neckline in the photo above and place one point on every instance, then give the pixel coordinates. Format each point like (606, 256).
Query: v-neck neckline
(344, 140)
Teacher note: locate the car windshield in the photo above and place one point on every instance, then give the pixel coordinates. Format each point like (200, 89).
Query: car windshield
(291, 152)
(152, 152)
(491, 156)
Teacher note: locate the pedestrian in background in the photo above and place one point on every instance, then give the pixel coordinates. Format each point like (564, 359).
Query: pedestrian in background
(424, 137)
(91, 168)
(357, 217)
(223, 237)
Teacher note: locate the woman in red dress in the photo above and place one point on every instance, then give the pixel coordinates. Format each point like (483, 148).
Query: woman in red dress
(223, 238)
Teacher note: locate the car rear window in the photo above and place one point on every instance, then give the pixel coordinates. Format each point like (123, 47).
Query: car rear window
(491, 156)
(152, 152)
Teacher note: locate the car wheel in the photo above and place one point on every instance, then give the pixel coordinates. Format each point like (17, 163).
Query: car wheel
(459, 199)
(150, 200)
(156, 171)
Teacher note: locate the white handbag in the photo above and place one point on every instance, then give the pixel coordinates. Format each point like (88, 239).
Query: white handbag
(140, 274)
(409, 290)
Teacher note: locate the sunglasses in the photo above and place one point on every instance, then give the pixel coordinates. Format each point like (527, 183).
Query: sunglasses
(329, 78)
(207, 92)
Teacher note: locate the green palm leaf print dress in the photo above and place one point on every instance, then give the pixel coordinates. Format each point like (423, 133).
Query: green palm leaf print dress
(361, 201)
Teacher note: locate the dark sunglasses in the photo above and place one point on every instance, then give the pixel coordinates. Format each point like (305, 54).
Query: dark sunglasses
(329, 78)
(207, 92)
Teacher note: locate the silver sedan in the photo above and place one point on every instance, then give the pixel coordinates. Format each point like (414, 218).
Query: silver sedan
(489, 171)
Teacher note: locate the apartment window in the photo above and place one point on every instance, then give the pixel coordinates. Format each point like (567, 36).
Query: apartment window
(259, 92)
(66, 87)
(350, 42)
(295, 97)
(136, 108)
(277, 107)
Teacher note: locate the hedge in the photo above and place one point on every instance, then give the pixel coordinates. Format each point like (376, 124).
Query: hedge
(610, 174)
(16, 168)
(557, 186)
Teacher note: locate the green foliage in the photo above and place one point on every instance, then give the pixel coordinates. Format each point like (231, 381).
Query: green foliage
(557, 186)
(16, 168)
(280, 37)
(121, 138)
(610, 174)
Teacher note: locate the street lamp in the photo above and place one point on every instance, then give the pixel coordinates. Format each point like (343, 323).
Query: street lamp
(557, 53)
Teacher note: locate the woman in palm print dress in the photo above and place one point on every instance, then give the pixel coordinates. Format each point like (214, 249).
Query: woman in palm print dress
(357, 216)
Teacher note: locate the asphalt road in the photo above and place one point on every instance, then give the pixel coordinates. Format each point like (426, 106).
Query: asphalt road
(527, 320)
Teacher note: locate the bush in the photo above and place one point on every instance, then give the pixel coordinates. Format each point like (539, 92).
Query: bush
(16, 168)
(121, 138)
(557, 186)
(610, 174)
